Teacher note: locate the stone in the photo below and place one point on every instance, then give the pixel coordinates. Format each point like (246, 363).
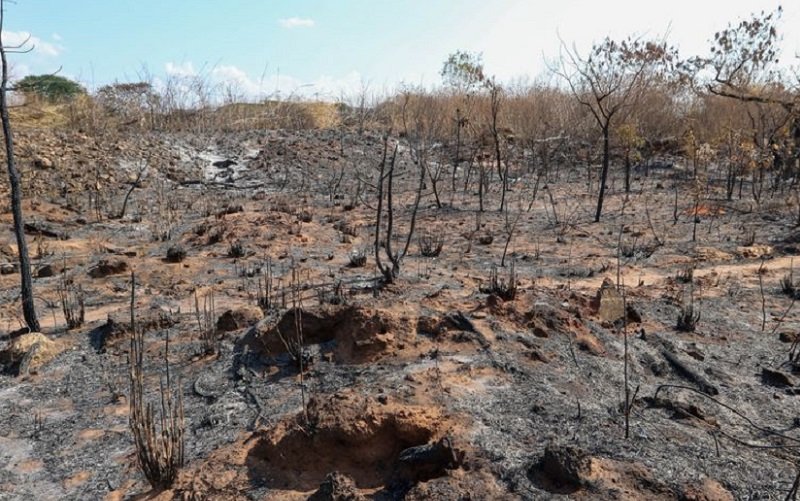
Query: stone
(564, 466)
(711, 254)
(776, 378)
(754, 251)
(108, 267)
(27, 353)
(176, 254)
(48, 270)
(608, 302)
(41, 162)
(337, 487)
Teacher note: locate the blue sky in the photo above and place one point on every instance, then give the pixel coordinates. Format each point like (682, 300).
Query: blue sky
(334, 46)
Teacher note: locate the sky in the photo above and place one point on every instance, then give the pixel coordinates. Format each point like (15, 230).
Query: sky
(327, 48)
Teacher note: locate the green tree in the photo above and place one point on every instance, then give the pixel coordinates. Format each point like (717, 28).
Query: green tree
(50, 87)
(463, 70)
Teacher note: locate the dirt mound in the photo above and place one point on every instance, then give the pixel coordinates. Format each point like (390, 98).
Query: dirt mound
(571, 470)
(548, 316)
(361, 334)
(118, 326)
(239, 318)
(348, 433)
(459, 484)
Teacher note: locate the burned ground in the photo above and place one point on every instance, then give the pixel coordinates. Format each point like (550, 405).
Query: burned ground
(432, 387)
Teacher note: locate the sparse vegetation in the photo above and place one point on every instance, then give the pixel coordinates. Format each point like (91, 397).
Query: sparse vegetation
(430, 245)
(73, 303)
(159, 440)
(503, 287)
(410, 281)
(687, 318)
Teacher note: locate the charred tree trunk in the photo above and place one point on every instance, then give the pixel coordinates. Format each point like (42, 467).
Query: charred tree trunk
(28, 309)
(627, 171)
(603, 175)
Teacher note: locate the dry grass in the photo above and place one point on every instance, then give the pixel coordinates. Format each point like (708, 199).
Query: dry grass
(159, 449)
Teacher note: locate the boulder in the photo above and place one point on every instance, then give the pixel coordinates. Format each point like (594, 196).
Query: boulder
(25, 354)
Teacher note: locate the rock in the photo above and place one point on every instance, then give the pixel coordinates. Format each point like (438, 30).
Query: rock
(459, 321)
(424, 462)
(706, 490)
(48, 270)
(564, 467)
(176, 254)
(711, 254)
(8, 251)
(8, 268)
(428, 325)
(108, 267)
(45, 229)
(754, 251)
(776, 378)
(337, 487)
(27, 353)
(41, 162)
(537, 356)
(608, 302)
(633, 314)
(590, 344)
(223, 164)
(239, 318)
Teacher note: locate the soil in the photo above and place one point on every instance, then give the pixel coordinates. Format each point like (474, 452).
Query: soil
(441, 385)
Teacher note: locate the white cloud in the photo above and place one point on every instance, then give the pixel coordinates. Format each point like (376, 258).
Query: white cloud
(296, 22)
(20, 70)
(56, 37)
(26, 40)
(229, 81)
(185, 69)
(324, 87)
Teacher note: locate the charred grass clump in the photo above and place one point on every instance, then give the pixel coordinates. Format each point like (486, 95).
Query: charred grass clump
(503, 287)
(159, 440)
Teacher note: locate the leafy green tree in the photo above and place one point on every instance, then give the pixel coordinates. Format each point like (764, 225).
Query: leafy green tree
(50, 87)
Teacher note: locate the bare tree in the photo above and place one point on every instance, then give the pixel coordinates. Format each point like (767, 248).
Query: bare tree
(28, 308)
(496, 98)
(609, 82)
(385, 187)
(463, 73)
(743, 66)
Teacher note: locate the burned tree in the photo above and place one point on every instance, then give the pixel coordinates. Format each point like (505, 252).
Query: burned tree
(609, 82)
(463, 73)
(742, 66)
(26, 286)
(385, 186)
